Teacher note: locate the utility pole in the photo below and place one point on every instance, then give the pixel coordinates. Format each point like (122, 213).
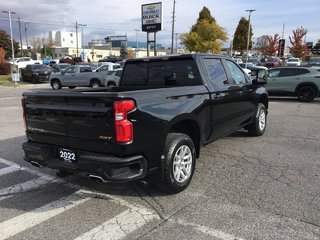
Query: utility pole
(248, 39)
(25, 30)
(44, 45)
(173, 20)
(9, 13)
(82, 25)
(77, 38)
(21, 52)
(176, 42)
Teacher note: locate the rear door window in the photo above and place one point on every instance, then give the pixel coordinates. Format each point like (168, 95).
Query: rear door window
(161, 73)
(287, 72)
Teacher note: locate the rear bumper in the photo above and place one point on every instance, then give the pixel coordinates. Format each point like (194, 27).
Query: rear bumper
(108, 168)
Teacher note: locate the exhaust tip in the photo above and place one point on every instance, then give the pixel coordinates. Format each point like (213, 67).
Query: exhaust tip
(36, 164)
(95, 177)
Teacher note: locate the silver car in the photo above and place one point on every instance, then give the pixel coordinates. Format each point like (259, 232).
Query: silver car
(113, 77)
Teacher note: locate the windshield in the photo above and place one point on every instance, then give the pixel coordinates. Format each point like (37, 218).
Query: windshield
(38, 67)
(293, 60)
(272, 60)
(315, 59)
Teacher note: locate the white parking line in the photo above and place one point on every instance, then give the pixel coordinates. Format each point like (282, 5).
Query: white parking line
(19, 167)
(28, 220)
(119, 226)
(208, 231)
(26, 186)
(6, 162)
(114, 229)
(7, 170)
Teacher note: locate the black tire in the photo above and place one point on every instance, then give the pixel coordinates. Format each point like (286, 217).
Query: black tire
(306, 93)
(175, 176)
(55, 84)
(71, 87)
(258, 127)
(95, 84)
(34, 80)
(111, 84)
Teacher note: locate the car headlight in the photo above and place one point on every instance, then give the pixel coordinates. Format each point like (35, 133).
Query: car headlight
(35, 74)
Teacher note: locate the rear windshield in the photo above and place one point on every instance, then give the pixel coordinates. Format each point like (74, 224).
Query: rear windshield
(161, 73)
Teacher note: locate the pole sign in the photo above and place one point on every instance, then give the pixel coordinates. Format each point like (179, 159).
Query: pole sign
(151, 16)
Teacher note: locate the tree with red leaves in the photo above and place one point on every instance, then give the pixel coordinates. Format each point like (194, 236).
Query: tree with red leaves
(268, 45)
(298, 49)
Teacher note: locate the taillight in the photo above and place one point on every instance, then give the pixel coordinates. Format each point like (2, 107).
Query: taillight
(123, 127)
(23, 104)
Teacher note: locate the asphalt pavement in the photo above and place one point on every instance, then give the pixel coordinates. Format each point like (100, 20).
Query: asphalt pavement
(243, 188)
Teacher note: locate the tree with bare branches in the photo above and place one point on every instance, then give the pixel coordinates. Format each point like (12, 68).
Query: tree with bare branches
(299, 49)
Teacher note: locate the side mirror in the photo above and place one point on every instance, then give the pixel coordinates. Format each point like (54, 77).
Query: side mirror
(62, 72)
(260, 77)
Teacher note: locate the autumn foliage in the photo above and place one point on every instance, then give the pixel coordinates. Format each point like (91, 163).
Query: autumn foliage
(206, 36)
(298, 49)
(268, 45)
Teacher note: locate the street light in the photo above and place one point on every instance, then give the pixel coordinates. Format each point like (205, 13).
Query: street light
(248, 39)
(12, 49)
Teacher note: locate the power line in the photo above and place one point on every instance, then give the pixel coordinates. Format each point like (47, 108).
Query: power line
(60, 24)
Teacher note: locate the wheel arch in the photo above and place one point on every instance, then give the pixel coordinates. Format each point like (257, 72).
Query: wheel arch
(189, 125)
(307, 84)
(92, 80)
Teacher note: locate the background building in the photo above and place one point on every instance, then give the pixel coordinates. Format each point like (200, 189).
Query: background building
(65, 39)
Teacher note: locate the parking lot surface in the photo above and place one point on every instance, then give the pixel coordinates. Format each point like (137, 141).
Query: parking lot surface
(243, 188)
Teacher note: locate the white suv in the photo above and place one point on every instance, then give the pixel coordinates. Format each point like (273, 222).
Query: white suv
(24, 61)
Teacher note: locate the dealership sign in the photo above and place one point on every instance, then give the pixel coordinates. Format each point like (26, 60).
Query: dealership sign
(151, 15)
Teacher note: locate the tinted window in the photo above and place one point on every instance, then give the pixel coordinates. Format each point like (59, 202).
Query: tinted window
(302, 71)
(237, 75)
(70, 70)
(216, 72)
(161, 73)
(85, 69)
(118, 73)
(287, 72)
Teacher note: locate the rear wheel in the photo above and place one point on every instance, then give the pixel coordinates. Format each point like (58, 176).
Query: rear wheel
(95, 84)
(178, 164)
(55, 84)
(306, 93)
(71, 87)
(258, 127)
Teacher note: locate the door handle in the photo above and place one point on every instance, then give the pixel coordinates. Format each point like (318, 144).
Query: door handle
(217, 96)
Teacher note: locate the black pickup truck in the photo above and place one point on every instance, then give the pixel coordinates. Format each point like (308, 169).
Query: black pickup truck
(154, 124)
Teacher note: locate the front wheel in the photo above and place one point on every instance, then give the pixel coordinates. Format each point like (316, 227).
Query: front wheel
(306, 93)
(55, 84)
(178, 164)
(258, 127)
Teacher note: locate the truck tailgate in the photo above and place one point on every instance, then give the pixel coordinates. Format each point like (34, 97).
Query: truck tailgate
(71, 120)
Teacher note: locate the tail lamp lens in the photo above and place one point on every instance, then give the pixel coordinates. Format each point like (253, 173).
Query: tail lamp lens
(123, 127)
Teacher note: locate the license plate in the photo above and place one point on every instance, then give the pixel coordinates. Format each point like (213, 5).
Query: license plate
(67, 155)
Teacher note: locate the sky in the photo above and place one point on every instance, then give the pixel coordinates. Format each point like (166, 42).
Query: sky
(123, 17)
